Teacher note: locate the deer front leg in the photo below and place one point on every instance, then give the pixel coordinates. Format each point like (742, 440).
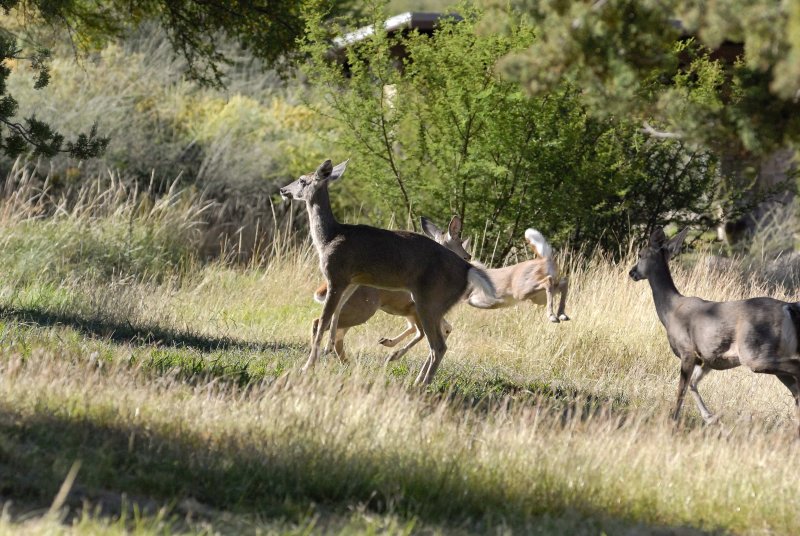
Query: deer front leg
(562, 290)
(687, 366)
(331, 304)
(334, 340)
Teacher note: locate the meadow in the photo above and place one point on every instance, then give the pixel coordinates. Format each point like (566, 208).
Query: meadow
(143, 390)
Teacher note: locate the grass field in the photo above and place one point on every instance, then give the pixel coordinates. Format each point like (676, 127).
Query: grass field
(144, 391)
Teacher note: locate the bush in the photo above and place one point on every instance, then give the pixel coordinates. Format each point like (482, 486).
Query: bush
(445, 134)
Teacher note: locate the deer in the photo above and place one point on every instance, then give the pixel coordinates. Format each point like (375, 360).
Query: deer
(759, 333)
(353, 255)
(366, 301)
(534, 280)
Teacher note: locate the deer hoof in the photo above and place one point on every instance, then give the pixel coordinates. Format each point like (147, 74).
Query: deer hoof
(563, 317)
(554, 318)
(711, 419)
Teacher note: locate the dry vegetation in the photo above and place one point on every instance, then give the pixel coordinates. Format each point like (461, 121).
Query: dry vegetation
(174, 386)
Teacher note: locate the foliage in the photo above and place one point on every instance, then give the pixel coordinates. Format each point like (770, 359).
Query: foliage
(721, 74)
(446, 134)
(198, 31)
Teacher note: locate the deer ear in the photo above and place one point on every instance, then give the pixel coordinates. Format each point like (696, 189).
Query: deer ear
(673, 247)
(455, 227)
(657, 238)
(430, 229)
(324, 170)
(338, 171)
(465, 245)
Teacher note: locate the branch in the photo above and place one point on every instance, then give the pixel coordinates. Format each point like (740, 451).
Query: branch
(650, 131)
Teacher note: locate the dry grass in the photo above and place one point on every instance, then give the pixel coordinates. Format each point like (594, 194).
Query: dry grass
(180, 397)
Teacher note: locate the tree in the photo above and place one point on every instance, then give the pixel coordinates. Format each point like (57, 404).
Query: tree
(446, 134)
(724, 75)
(267, 28)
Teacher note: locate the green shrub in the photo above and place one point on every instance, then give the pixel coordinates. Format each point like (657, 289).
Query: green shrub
(446, 134)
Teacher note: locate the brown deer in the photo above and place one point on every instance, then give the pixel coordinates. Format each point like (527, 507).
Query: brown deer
(352, 255)
(366, 301)
(535, 280)
(759, 333)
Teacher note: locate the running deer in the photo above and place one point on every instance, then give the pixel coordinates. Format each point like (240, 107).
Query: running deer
(366, 301)
(535, 280)
(352, 255)
(759, 333)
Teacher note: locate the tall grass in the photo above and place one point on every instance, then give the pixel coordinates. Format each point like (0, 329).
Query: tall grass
(175, 384)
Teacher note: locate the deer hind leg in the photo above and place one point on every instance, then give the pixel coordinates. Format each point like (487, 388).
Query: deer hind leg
(339, 344)
(687, 367)
(446, 330)
(391, 343)
(332, 301)
(697, 374)
(432, 326)
(792, 382)
(562, 291)
(415, 325)
(548, 288)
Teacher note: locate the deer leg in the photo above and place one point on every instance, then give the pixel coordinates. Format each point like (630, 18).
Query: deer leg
(793, 383)
(687, 367)
(339, 345)
(331, 304)
(432, 326)
(447, 329)
(548, 289)
(413, 323)
(562, 290)
(411, 328)
(697, 375)
(334, 327)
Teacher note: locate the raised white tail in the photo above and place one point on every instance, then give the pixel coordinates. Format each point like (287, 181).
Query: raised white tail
(536, 239)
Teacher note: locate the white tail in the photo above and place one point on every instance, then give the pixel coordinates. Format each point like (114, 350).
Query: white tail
(536, 239)
(353, 255)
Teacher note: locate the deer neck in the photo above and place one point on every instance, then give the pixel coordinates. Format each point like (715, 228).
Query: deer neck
(324, 226)
(665, 294)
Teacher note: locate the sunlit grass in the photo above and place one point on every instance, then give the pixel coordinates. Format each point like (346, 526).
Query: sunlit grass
(180, 395)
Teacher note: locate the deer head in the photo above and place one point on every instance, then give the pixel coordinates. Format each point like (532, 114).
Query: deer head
(451, 240)
(304, 188)
(657, 253)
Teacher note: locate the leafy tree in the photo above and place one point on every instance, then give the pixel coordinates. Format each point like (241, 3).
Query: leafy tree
(196, 29)
(724, 75)
(446, 134)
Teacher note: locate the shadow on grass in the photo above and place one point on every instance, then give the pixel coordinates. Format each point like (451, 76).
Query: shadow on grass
(136, 468)
(486, 395)
(120, 332)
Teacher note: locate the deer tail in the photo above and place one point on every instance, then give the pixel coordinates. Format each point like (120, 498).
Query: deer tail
(537, 241)
(478, 279)
(321, 293)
